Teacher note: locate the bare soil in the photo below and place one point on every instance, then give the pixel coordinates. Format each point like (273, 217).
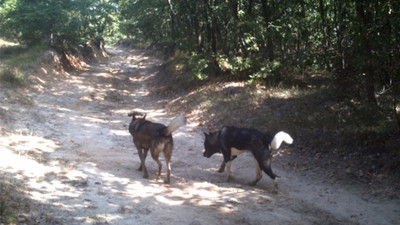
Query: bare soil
(65, 149)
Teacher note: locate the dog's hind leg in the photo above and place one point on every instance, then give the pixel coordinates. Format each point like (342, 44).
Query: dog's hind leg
(167, 155)
(155, 157)
(142, 156)
(258, 176)
(145, 155)
(168, 171)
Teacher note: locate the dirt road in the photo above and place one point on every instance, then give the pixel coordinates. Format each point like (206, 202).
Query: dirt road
(67, 147)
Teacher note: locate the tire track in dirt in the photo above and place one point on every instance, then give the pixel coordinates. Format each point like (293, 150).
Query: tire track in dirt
(79, 165)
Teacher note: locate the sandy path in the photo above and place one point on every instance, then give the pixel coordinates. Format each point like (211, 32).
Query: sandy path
(74, 157)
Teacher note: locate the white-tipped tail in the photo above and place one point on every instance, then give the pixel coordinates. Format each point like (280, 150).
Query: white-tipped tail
(175, 124)
(279, 137)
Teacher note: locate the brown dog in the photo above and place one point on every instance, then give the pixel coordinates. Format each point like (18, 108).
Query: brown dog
(156, 137)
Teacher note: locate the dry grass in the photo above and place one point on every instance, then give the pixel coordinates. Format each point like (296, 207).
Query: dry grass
(16, 62)
(13, 203)
(21, 58)
(11, 77)
(4, 43)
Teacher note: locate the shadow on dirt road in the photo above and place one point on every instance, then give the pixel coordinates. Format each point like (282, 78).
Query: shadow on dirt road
(69, 152)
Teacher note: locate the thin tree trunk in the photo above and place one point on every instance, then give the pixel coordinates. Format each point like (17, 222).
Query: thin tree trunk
(364, 12)
(267, 20)
(213, 27)
(172, 18)
(238, 39)
(340, 58)
(250, 7)
(324, 29)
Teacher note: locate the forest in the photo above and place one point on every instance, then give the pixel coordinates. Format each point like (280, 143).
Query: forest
(327, 72)
(356, 41)
(266, 42)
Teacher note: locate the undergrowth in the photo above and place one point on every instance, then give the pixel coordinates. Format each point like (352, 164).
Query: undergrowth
(16, 61)
(12, 203)
(11, 77)
(328, 126)
(21, 58)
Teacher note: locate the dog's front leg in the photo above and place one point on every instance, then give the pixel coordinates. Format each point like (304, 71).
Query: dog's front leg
(142, 156)
(222, 167)
(228, 170)
(258, 175)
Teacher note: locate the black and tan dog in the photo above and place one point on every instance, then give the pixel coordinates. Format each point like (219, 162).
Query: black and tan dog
(232, 141)
(156, 137)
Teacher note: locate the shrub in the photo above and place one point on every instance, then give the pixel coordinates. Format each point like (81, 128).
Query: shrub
(11, 77)
(196, 64)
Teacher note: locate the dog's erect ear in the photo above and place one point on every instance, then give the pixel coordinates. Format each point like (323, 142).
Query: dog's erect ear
(134, 114)
(131, 115)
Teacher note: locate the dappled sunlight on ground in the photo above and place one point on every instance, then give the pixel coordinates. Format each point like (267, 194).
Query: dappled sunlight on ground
(24, 155)
(72, 153)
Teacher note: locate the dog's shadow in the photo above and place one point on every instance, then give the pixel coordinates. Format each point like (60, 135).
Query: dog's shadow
(267, 185)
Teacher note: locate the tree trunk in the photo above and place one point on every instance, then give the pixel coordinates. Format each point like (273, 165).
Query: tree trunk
(207, 25)
(364, 13)
(213, 27)
(324, 29)
(340, 62)
(238, 37)
(198, 26)
(250, 7)
(172, 18)
(198, 31)
(267, 20)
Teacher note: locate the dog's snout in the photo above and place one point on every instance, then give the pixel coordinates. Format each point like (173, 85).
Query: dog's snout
(206, 154)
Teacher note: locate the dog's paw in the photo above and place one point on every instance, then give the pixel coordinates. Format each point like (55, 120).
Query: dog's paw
(140, 168)
(276, 183)
(253, 183)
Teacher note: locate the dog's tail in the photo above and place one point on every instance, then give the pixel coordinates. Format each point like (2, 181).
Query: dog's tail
(175, 124)
(279, 137)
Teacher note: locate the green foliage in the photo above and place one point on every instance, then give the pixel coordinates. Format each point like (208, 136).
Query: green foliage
(357, 41)
(265, 71)
(196, 65)
(59, 23)
(144, 20)
(235, 65)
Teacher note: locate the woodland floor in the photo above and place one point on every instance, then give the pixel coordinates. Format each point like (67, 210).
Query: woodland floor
(67, 158)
